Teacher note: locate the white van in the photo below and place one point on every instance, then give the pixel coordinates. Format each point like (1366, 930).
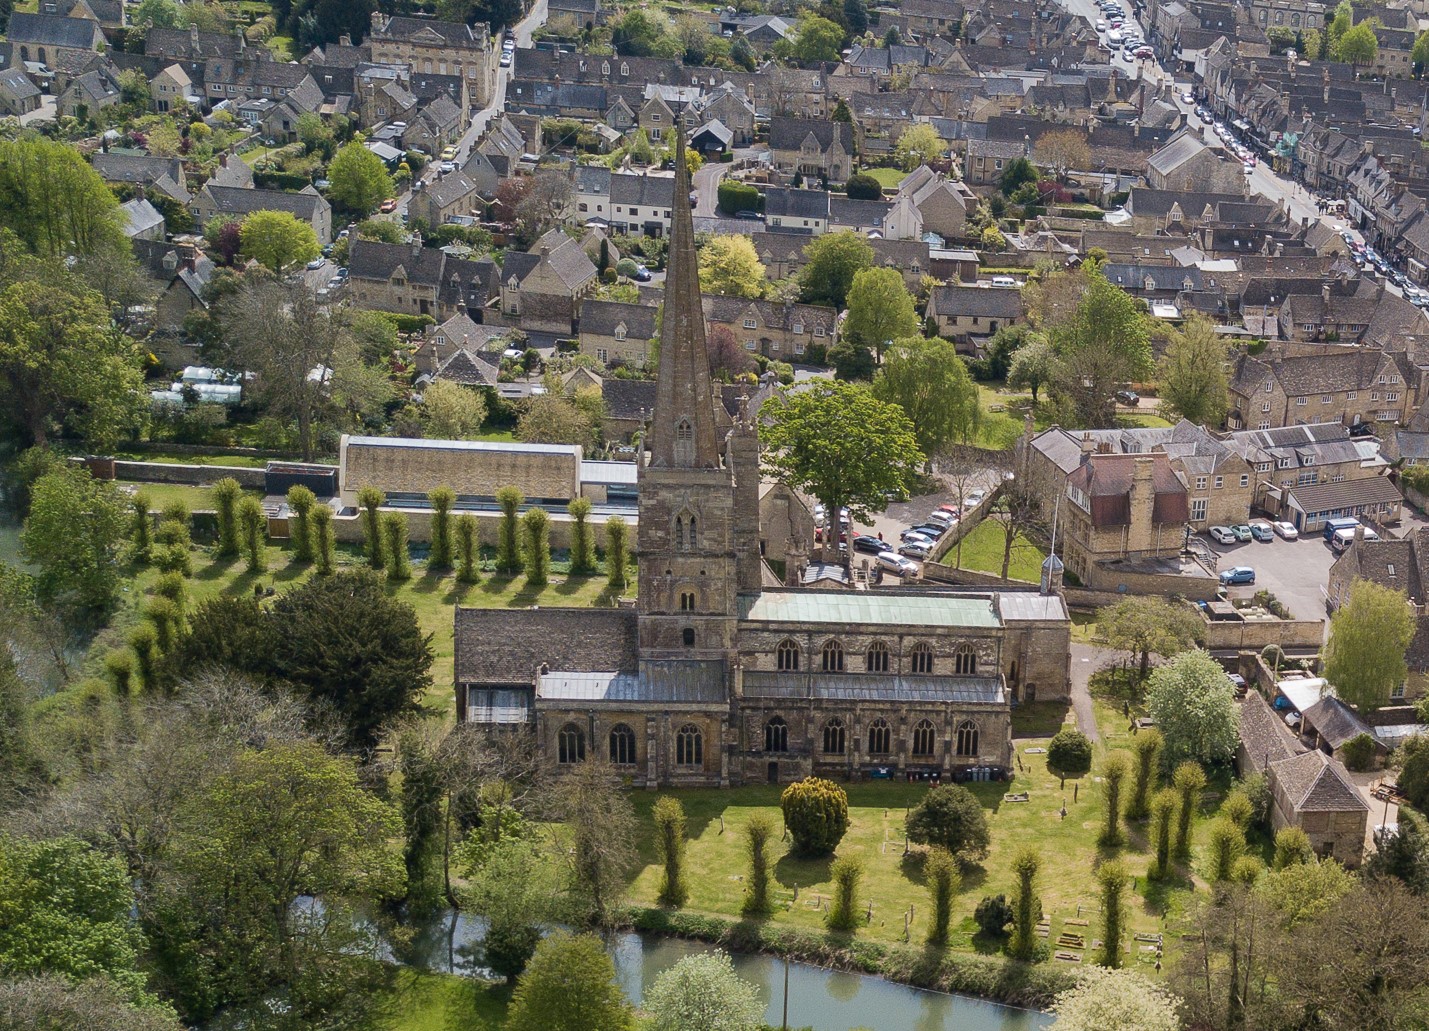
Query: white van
(1344, 538)
(1004, 282)
(1115, 38)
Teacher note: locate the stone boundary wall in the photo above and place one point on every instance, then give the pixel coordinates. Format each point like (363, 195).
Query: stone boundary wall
(193, 475)
(965, 525)
(1253, 635)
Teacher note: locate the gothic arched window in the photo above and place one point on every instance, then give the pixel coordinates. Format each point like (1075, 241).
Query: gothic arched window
(880, 737)
(875, 660)
(776, 735)
(967, 738)
(622, 745)
(832, 660)
(921, 658)
(787, 656)
(964, 661)
(689, 746)
(924, 738)
(834, 736)
(570, 744)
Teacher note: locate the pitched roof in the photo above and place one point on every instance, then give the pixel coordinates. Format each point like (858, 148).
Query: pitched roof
(232, 200)
(786, 202)
(653, 191)
(787, 133)
(369, 259)
(983, 302)
(602, 317)
(474, 368)
(1335, 721)
(1348, 494)
(1107, 481)
(52, 30)
(1314, 783)
(1263, 734)
(508, 646)
(140, 216)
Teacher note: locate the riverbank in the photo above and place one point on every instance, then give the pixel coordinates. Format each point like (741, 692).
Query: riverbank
(991, 978)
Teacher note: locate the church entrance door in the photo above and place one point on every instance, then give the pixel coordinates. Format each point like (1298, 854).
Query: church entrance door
(774, 773)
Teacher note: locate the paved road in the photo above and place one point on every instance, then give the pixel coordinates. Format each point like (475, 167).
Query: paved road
(706, 185)
(1086, 660)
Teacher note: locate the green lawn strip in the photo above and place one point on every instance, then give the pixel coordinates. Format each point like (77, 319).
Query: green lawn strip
(982, 552)
(422, 1001)
(888, 178)
(182, 458)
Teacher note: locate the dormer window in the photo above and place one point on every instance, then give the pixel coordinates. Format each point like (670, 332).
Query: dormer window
(605, 68)
(620, 331)
(624, 68)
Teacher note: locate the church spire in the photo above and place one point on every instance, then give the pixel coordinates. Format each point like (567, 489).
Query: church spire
(682, 435)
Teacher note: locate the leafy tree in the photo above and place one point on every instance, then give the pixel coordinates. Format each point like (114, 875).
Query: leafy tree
(1114, 773)
(644, 34)
(67, 911)
(1419, 56)
(831, 262)
(1062, 151)
(54, 201)
(880, 309)
(301, 501)
(508, 554)
(359, 180)
(1225, 847)
(1163, 809)
(703, 993)
(253, 528)
(1115, 1000)
(569, 985)
(394, 542)
(840, 444)
(1188, 781)
(816, 815)
(944, 880)
(851, 361)
(1358, 46)
(617, 552)
(1070, 753)
(1105, 342)
(536, 545)
(1237, 808)
(846, 872)
(1193, 704)
(1146, 624)
(51, 1003)
(601, 825)
(63, 365)
(919, 144)
(730, 266)
(742, 54)
(441, 499)
(862, 186)
(453, 412)
(75, 534)
(950, 816)
(468, 545)
(1146, 747)
(1015, 173)
(278, 240)
(370, 499)
(1113, 878)
(669, 818)
(1403, 855)
(1292, 846)
(999, 351)
(993, 914)
(816, 39)
(1033, 365)
(342, 641)
(1369, 635)
(758, 833)
(582, 540)
(1026, 905)
(555, 419)
(512, 884)
(931, 384)
(1194, 382)
(993, 240)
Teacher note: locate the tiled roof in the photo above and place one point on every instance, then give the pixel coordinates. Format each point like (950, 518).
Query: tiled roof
(784, 202)
(52, 30)
(983, 302)
(1328, 497)
(787, 133)
(1107, 482)
(231, 201)
(1314, 783)
(1263, 735)
(1335, 721)
(601, 318)
(508, 646)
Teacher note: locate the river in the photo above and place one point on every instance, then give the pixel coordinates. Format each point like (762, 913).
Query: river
(826, 1000)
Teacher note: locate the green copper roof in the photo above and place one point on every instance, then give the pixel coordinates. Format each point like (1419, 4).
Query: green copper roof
(869, 608)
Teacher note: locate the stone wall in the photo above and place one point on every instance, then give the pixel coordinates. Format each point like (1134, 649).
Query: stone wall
(1255, 634)
(170, 472)
(471, 471)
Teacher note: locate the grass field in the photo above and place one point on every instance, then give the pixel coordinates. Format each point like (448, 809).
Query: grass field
(1002, 416)
(888, 178)
(196, 499)
(982, 551)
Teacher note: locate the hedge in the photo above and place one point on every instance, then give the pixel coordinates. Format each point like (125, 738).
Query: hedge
(281, 181)
(990, 977)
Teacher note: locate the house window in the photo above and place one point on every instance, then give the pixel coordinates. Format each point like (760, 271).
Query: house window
(967, 738)
(602, 355)
(1245, 479)
(818, 331)
(750, 345)
(964, 661)
(1198, 509)
(880, 737)
(776, 735)
(875, 660)
(1351, 395)
(832, 659)
(1391, 396)
(1264, 424)
(1397, 691)
(787, 656)
(1269, 386)
(620, 331)
(1265, 407)
(922, 658)
(1220, 482)
(835, 737)
(1299, 400)
(622, 745)
(1200, 483)
(570, 744)
(798, 327)
(749, 323)
(924, 738)
(689, 746)
(655, 116)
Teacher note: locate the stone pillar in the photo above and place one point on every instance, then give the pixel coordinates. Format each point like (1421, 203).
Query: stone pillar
(723, 752)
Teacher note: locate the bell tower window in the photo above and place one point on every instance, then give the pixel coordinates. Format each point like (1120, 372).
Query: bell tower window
(687, 601)
(684, 443)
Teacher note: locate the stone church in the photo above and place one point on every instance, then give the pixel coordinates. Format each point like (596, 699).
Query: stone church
(717, 675)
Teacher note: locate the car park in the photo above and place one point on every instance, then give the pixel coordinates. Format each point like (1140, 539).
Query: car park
(1262, 532)
(914, 550)
(1237, 575)
(872, 545)
(1241, 531)
(1221, 534)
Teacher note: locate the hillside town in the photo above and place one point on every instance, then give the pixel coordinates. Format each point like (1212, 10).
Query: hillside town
(931, 490)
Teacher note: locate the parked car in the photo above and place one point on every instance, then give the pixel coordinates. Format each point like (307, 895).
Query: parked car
(388, 206)
(1101, 25)
(941, 518)
(447, 167)
(932, 530)
(1127, 397)
(449, 153)
(1262, 532)
(1237, 575)
(973, 498)
(1221, 534)
(896, 564)
(914, 550)
(643, 274)
(316, 263)
(1186, 98)
(872, 545)
(1241, 531)
(915, 535)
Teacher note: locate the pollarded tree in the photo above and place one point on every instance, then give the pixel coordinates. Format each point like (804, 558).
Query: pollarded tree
(1146, 769)
(359, 180)
(226, 493)
(928, 380)
(840, 444)
(1193, 704)
(1115, 1000)
(322, 540)
(1114, 773)
(570, 985)
(1026, 905)
(830, 263)
(1194, 382)
(703, 993)
(880, 309)
(617, 552)
(669, 818)
(1369, 635)
(441, 500)
(394, 542)
(468, 547)
(582, 538)
(371, 499)
(730, 266)
(536, 531)
(950, 816)
(1292, 846)
(1143, 625)
(758, 833)
(508, 554)
(1113, 878)
(278, 240)
(1163, 810)
(846, 873)
(301, 501)
(816, 814)
(1188, 781)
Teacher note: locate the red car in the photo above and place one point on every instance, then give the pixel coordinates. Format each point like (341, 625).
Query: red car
(388, 206)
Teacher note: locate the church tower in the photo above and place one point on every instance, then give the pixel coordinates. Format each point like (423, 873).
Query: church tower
(686, 544)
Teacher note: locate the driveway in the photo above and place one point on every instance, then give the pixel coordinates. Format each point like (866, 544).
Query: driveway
(1086, 660)
(1296, 572)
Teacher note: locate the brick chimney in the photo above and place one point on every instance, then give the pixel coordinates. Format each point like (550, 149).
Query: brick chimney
(1140, 534)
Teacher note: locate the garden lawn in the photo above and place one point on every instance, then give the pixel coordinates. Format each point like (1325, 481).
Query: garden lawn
(196, 499)
(982, 551)
(181, 458)
(1002, 416)
(439, 1002)
(888, 178)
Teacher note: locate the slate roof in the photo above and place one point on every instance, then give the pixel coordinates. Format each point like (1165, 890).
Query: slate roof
(1327, 497)
(450, 188)
(563, 255)
(52, 30)
(864, 214)
(454, 33)
(1335, 721)
(232, 200)
(645, 191)
(771, 314)
(1263, 734)
(473, 368)
(1314, 784)
(508, 646)
(183, 44)
(17, 85)
(787, 133)
(601, 318)
(140, 216)
(369, 259)
(1183, 148)
(785, 202)
(980, 301)
(1303, 375)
